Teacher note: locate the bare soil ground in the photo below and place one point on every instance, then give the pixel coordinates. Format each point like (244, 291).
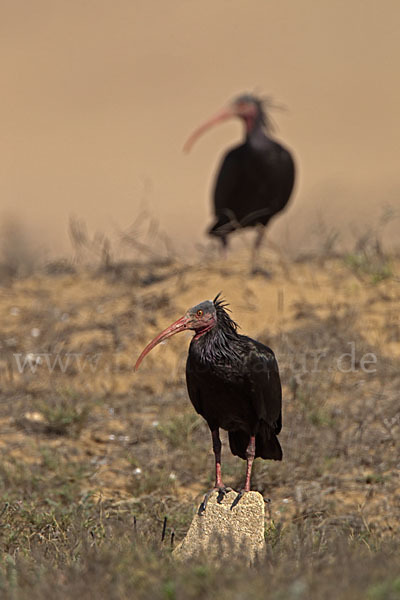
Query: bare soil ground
(94, 456)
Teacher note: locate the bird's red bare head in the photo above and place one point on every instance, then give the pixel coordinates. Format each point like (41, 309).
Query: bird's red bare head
(200, 318)
(247, 107)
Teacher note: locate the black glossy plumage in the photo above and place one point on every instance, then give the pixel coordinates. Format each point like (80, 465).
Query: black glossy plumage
(254, 182)
(233, 382)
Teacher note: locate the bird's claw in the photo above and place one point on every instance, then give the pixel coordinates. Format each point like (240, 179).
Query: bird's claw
(202, 507)
(222, 491)
(237, 499)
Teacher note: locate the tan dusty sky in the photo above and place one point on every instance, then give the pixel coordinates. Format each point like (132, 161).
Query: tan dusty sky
(98, 97)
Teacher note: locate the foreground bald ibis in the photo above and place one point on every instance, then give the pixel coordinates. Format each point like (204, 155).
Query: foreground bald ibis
(255, 179)
(233, 382)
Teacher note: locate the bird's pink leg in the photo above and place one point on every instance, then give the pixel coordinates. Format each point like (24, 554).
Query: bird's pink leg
(250, 454)
(219, 486)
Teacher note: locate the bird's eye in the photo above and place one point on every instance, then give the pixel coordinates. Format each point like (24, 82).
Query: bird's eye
(199, 313)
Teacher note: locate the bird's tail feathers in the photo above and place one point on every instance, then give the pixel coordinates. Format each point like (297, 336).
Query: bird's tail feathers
(268, 447)
(267, 444)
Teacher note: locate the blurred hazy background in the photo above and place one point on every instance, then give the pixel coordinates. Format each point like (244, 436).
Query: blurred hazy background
(98, 98)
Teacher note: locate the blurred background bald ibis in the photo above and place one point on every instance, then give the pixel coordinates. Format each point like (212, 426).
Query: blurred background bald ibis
(255, 179)
(233, 382)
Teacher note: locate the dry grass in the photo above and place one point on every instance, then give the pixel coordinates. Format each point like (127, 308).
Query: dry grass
(93, 456)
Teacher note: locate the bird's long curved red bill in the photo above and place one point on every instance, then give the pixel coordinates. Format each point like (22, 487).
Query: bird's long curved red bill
(223, 114)
(179, 325)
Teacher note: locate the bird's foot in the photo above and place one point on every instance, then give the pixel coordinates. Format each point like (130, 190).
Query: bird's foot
(222, 491)
(238, 498)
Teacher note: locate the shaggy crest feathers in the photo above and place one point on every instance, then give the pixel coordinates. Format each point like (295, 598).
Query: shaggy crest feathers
(221, 306)
(220, 343)
(264, 116)
(264, 104)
